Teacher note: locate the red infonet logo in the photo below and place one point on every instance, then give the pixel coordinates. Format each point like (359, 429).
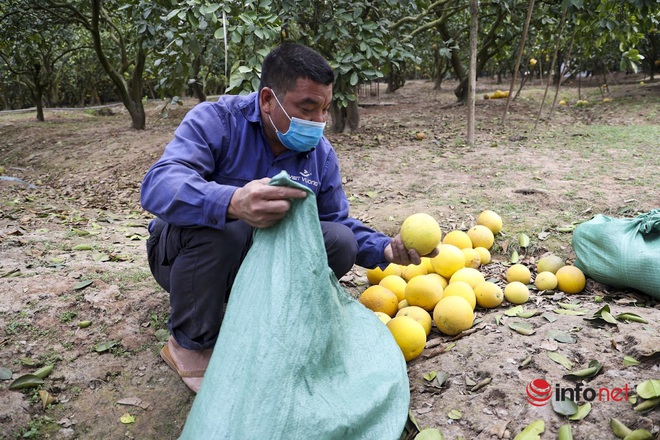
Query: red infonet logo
(539, 392)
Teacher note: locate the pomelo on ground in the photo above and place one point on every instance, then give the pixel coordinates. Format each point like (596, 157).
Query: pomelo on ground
(468, 274)
(418, 314)
(516, 292)
(519, 272)
(412, 270)
(481, 236)
(570, 279)
(376, 274)
(458, 238)
(423, 291)
(395, 284)
(449, 259)
(453, 315)
(472, 258)
(380, 299)
(462, 289)
(488, 294)
(484, 255)
(491, 220)
(550, 263)
(409, 336)
(545, 281)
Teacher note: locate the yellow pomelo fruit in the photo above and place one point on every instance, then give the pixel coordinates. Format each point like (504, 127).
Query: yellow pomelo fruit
(491, 220)
(488, 294)
(395, 284)
(468, 274)
(418, 314)
(424, 292)
(379, 299)
(550, 263)
(516, 292)
(472, 258)
(452, 315)
(384, 317)
(462, 289)
(449, 260)
(458, 238)
(409, 336)
(436, 276)
(481, 236)
(426, 262)
(545, 281)
(412, 270)
(519, 272)
(376, 274)
(421, 232)
(570, 279)
(484, 255)
(403, 304)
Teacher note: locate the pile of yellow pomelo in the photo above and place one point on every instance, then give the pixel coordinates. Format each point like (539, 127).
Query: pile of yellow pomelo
(446, 289)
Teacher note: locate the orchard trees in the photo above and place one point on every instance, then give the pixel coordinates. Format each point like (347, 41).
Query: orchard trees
(34, 51)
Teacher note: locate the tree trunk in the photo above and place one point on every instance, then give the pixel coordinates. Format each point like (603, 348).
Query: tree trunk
(131, 96)
(395, 80)
(439, 70)
(491, 44)
(456, 64)
(474, 27)
(197, 87)
(94, 98)
(345, 119)
(521, 50)
(38, 101)
(654, 51)
(553, 64)
(4, 97)
(38, 93)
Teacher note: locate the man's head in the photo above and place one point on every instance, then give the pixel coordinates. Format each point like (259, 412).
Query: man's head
(288, 62)
(295, 91)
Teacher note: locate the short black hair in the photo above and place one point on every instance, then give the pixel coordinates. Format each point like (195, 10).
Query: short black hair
(288, 62)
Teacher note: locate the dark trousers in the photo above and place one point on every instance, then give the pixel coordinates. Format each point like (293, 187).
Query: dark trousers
(197, 266)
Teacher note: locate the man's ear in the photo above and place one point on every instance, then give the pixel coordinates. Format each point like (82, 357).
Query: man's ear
(266, 99)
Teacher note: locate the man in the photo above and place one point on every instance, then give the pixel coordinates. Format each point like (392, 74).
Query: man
(210, 190)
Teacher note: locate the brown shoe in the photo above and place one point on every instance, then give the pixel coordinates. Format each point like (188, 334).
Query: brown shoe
(190, 365)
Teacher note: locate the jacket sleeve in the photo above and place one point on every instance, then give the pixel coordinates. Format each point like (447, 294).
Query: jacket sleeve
(333, 206)
(176, 188)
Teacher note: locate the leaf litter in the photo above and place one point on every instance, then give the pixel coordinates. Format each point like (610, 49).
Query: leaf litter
(102, 199)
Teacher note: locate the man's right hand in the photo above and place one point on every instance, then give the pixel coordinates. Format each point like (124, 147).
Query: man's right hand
(261, 205)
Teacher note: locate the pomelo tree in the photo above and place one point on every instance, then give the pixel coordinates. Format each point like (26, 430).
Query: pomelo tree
(353, 36)
(165, 48)
(122, 32)
(34, 50)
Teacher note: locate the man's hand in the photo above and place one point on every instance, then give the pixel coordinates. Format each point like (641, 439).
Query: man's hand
(261, 205)
(396, 252)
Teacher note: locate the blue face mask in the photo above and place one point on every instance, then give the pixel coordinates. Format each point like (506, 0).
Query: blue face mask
(302, 135)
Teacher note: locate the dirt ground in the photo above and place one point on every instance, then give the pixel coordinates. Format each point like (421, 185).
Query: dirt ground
(72, 250)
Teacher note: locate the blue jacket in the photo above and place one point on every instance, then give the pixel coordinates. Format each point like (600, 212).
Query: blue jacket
(221, 146)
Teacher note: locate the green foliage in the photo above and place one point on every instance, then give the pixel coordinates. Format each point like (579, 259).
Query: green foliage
(217, 47)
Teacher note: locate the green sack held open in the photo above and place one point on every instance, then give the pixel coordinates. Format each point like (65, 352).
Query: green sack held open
(297, 357)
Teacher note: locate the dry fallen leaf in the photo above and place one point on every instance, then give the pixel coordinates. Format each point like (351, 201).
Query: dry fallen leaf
(46, 399)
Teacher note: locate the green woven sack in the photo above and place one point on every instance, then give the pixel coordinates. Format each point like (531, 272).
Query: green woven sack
(297, 357)
(623, 252)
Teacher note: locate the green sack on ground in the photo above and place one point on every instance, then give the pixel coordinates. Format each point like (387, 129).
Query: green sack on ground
(623, 252)
(297, 357)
